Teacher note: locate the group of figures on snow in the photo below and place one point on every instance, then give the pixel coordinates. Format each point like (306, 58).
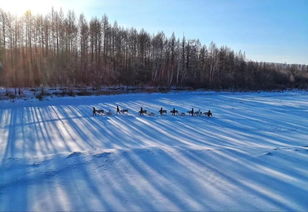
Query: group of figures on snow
(162, 111)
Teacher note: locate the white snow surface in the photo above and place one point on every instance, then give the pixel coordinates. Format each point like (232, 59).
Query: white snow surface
(251, 156)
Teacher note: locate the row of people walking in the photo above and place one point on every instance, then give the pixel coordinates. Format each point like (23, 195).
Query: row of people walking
(162, 111)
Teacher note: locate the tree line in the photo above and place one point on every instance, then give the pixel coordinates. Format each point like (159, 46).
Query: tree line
(62, 49)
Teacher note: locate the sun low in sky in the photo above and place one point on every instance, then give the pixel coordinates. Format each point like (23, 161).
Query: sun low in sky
(19, 7)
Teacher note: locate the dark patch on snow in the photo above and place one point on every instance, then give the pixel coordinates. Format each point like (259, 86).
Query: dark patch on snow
(36, 164)
(269, 154)
(104, 154)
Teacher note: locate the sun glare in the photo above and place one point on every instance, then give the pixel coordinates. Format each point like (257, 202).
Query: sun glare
(19, 7)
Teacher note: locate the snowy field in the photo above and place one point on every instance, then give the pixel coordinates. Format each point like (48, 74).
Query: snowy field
(252, 155)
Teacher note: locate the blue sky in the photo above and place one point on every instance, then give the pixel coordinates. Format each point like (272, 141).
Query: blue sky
(266, 30)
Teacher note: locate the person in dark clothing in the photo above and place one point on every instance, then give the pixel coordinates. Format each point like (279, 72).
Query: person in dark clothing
(174, 111)
(97, 112)
(191, 112)
(94, 111)
(118, 109)
(162, 111)
(209, 113)
(141, 112)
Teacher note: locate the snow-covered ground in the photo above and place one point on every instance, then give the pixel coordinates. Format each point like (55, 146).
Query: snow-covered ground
(252, 155)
